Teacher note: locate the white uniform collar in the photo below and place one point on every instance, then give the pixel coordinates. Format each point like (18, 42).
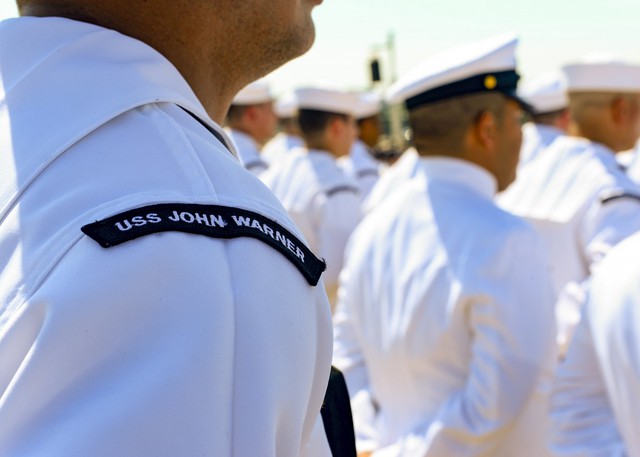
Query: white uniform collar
(61, 79)
(460, 172)
(321, 153)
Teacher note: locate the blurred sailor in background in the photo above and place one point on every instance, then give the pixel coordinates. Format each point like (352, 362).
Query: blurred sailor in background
(596, 400)
(360, 164)
(288, 137)
(576, 194)
(320, 198)
(250, 122)
(547, 97)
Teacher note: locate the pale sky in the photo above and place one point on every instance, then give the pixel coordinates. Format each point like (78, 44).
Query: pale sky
(552, 33)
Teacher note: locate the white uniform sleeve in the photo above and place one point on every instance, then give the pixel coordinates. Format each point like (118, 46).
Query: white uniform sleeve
(606, 224)
(582, 420)
(348, 358)
(168, 345)
(317, 446)
(338, 214)
(511, 323)
(614, 320)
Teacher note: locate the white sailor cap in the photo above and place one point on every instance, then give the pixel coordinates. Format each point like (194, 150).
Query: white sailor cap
(369, 104)
(602, 74)
(545, 93)
(254, 94)
(286, 106)
(328, 100)
(482, 66)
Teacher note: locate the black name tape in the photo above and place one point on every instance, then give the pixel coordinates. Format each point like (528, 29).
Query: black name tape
(209, 220)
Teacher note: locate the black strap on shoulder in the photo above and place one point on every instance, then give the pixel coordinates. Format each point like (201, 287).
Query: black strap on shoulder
(255, 164)
(367, 172)
(220, 138)
(338, 189)
(213, 221)
(618, 196)
(337, 418)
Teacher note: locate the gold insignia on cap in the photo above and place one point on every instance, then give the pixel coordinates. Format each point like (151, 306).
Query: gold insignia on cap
(490, 82)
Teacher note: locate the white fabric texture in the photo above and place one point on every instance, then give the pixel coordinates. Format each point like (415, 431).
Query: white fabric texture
(248, 151)
(278, 147)
(171, 344)
(322, 201)
(391, 179)
(535, 139)
(360, 166)
(630, 161)
(565, 193)
(442, 325)
(597, 390)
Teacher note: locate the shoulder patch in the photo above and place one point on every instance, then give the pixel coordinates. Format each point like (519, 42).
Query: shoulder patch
(345, 188)
(617, 196)
(213, 221)
(256, 164)
(367, 172)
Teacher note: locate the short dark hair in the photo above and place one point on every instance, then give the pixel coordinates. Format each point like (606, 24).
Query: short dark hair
(364, 120)
(443, 124)
(313, 122)
(236, 112)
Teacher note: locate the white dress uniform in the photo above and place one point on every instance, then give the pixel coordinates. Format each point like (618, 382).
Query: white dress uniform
(546, 93)
(443, 325)
(322, 201)
(535, 139)
(361, 167)
(248, 151)
(597, 391)
(582, 203)
(201, 333)
(279, 146)
(391, 179)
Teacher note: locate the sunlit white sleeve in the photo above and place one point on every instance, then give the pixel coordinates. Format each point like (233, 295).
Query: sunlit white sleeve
(338, 213)
(348, 358)
(582, 422)
(614, 320)
(606, 223)
(510, 321)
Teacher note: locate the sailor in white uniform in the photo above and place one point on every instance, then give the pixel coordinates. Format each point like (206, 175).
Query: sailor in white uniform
(361, 164)
(251, 121)
(320, 198)
(596, 400)
(444, 333)
(155, 298)
(576, 194)
(288, 138)
(550, 118)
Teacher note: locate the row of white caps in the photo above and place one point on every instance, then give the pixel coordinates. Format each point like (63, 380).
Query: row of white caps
(358, 105)
(549, 91)
(486, 65)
